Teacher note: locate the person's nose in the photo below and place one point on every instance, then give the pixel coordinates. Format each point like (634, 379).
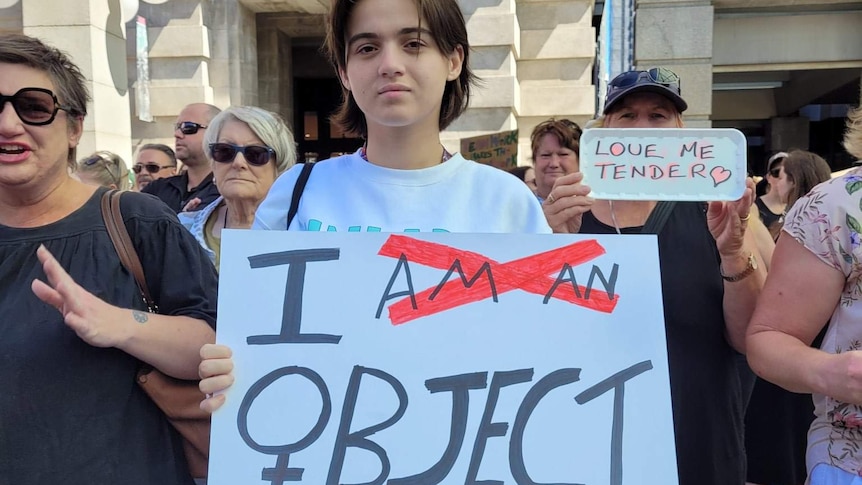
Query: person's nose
(391, 60)
(10, 123)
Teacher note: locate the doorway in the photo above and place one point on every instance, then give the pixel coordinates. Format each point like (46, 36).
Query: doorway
(315, 99)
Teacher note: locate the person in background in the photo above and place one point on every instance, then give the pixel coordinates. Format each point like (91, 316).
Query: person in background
(75, 328)
(555, 145)
(711, 276)
(406, 76)
(196, 182)
(105, 169)
(526, 174)
(815, 278)
(769, 205)
(249, 148)
(154, 161)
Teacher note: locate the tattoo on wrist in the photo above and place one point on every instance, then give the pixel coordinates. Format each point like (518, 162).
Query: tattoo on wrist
(139, 316)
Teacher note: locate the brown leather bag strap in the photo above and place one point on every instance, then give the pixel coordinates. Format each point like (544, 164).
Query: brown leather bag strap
(123, 244)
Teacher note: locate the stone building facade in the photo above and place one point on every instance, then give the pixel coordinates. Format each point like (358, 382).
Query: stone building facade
(757, 65)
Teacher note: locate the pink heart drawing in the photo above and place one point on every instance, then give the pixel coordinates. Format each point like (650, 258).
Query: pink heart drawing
(719, 175)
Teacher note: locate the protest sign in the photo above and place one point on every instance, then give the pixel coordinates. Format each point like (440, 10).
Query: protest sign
(664, 164)
(498, 149)
(442, 358)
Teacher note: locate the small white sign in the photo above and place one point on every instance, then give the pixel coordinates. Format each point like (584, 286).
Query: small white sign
(664, 164)
(442, 359)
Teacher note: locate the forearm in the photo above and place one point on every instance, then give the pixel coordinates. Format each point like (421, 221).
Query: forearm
(740, 297)
(788, 362)
(169, 343)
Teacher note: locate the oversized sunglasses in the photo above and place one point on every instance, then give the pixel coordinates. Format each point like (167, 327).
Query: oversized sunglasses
(254, 154)
(656, 75)
(189, 127)
(149, 167)
(34, 106)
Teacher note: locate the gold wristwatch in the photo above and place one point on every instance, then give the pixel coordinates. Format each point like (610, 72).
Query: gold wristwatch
(752, 265)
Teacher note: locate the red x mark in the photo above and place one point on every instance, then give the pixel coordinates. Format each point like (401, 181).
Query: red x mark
(529, 274)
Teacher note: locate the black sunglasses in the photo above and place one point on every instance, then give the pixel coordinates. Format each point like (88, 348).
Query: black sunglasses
(775, 172)
(34, 106)
(150, 167)
(254, 154)
(189, 127)
(657, 75)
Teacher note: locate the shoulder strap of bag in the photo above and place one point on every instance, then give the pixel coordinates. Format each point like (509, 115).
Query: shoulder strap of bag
(659, 216)
(297, 191)
(123, 243)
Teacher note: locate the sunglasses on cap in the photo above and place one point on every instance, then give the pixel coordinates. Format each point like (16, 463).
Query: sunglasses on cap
(656, 75)
(257, 155)
(189, 127)
(34, 106)
(149, 167)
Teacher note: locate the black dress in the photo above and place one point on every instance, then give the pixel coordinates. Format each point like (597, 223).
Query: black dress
(705, 388)
(72, 413)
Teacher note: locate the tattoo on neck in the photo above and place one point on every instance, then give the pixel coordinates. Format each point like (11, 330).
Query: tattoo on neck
(140, 316)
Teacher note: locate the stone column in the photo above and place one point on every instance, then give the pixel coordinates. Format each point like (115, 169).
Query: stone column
(790, 132)
(678, 34)
(555, 65)
(93, 34)
(494, 41)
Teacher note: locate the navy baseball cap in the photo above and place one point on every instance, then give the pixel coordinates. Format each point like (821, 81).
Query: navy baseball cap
(657, 80)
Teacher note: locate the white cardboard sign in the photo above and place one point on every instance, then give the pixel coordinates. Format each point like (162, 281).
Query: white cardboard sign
(664, 164)
(442, 358)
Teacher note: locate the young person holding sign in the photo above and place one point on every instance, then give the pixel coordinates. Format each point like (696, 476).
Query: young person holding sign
(711, 277)
(403, 66)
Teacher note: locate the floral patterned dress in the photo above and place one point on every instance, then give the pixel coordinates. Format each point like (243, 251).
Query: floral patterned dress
(828, 222)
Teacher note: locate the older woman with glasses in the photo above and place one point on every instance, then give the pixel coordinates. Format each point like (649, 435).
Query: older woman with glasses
(104, 169)
(76, 331)
(711, 276)
(249, 148)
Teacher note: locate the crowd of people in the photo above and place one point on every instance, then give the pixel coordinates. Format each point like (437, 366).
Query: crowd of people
(771, 278)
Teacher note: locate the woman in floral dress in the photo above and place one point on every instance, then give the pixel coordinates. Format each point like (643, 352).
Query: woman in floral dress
(816, 276)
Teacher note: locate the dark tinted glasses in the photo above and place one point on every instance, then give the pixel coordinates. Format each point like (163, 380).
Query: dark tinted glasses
(775, 172)
(189, 127)
(254, 154)
(657, 75)
(34, 106)
(149, 167)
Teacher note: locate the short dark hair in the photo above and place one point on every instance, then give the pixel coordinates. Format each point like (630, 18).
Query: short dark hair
(68, 81)
(567, 132)
(447, 25)
(162, 148)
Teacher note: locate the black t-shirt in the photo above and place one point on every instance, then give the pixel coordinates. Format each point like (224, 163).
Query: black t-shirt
(767, 216)
(72, 413)
(174, 191)
(705, 387)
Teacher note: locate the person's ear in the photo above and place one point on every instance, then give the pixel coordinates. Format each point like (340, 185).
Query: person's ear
(76, 130)
(342, 76)
(456, 62)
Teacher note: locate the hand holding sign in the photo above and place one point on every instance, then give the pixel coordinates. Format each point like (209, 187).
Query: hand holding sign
(664, 164)
(566, 203)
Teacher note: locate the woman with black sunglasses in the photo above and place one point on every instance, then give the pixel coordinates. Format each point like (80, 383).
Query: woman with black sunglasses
(249, 148)
(76, 331)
